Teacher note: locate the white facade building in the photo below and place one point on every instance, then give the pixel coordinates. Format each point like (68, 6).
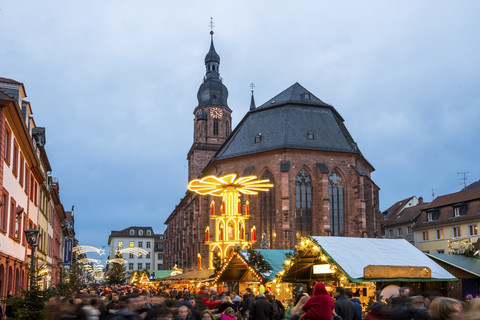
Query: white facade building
(134, 237)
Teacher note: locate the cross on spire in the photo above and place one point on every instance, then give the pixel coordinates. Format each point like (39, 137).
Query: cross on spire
(211, 25)
(252, 85)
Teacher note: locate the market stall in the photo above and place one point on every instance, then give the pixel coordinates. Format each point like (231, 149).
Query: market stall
(241, 272)
(189, 280)
(363, 265)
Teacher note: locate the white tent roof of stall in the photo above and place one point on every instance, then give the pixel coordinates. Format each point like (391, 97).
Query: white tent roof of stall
(352, 255)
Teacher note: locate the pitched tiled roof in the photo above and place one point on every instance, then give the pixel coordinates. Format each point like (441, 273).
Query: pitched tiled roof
(5, 95)
(452, 198)
(7, 80)
(445, 215)
(293, 119)
(395, 208)
(406, 215)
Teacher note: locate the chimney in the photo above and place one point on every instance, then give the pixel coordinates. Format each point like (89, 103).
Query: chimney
(420, 200)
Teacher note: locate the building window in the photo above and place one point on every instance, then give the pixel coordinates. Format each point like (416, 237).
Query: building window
(456, 212)
(267, 208)
(425, 236)
(130, 266)
(140, 232)
(258, 138)
(15, 159)
(456, 232)
(161, 237)
(303, 203)
(148, 244)
(139, 266)
(21, 177)
(160, 256)
(390, 233)
(140, 256)
(148, 255)
(473, 229)
(409, 230)
(441, 251)
(399, 231)
(131, 256)
(8, 137)
(159, 267)
(429, 216)
(215, 127)
(149, 232)
(147, 266)
(439, 234)
(335, 194)
(132, 232)
(4, 210)
(310, 135)
(120, 244)
(140, 244)
(132, 244)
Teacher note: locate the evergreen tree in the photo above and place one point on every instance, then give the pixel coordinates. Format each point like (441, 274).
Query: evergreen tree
(116, 272)
(217, 262)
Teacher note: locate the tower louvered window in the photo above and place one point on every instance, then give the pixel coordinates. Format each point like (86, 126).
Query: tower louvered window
(267, 210)
(215, 127)
(335, 194)
(303, 203)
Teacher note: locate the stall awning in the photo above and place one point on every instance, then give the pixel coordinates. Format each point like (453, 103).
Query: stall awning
(470, 265)
(356, 257)
(192, 275)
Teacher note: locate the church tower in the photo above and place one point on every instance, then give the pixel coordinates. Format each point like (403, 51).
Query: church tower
(212, 123)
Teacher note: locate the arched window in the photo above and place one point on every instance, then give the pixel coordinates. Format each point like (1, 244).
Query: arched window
(303, 203)
(267, 210)
(140, 232)
(215, 127)
(335, 194)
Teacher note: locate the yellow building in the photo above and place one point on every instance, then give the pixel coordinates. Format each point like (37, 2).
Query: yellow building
(449, 223)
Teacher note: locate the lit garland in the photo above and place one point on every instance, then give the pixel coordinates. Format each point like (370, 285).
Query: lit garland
(307, 244)
(85, 249)
(254, 272)
(88, 260)
(134, 250)
(117, 260)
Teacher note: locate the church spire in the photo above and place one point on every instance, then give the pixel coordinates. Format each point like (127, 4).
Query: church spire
(212, 59)
(252, 100)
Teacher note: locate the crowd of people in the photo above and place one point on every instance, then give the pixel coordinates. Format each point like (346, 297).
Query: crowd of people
(130, 302)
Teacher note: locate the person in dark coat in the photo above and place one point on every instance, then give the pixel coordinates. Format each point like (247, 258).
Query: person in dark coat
(248, 300)
(320, 306)
(358, 305)
(343, 306)
(261, 309)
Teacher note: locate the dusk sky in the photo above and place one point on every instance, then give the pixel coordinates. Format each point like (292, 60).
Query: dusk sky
(115, 84)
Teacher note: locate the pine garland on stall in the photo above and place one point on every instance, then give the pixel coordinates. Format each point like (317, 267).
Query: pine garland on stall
(257, 260)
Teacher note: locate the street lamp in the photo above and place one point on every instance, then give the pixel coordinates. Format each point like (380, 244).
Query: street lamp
(32, 240)
(60, 266)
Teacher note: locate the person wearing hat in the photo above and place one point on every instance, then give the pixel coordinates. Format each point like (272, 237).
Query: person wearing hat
(261, 308)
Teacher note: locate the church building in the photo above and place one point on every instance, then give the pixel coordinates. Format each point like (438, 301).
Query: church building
(322, 183)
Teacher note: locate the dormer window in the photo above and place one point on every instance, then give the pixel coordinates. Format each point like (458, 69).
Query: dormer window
(258, 138)
(429, 216)
(132, 232)
(305, 96)
(140, 232)
(456, 212)
(310, 135)
(149, 232)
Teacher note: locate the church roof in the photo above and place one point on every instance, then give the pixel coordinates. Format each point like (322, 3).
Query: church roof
(296, 119)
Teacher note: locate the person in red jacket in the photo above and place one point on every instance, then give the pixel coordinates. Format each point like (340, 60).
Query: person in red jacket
(320, 306)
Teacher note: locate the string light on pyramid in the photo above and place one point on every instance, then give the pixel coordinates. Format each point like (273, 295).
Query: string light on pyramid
(230, 225)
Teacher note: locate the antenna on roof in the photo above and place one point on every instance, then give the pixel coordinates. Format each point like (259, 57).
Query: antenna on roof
(433, 194)
(464, 178)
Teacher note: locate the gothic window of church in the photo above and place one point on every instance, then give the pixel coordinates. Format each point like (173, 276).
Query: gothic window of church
(335, 194)
(303, 203)
(267, 209)
(215, 127)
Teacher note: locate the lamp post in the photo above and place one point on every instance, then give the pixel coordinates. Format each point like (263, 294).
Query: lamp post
(60, 267)
(32, 240)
